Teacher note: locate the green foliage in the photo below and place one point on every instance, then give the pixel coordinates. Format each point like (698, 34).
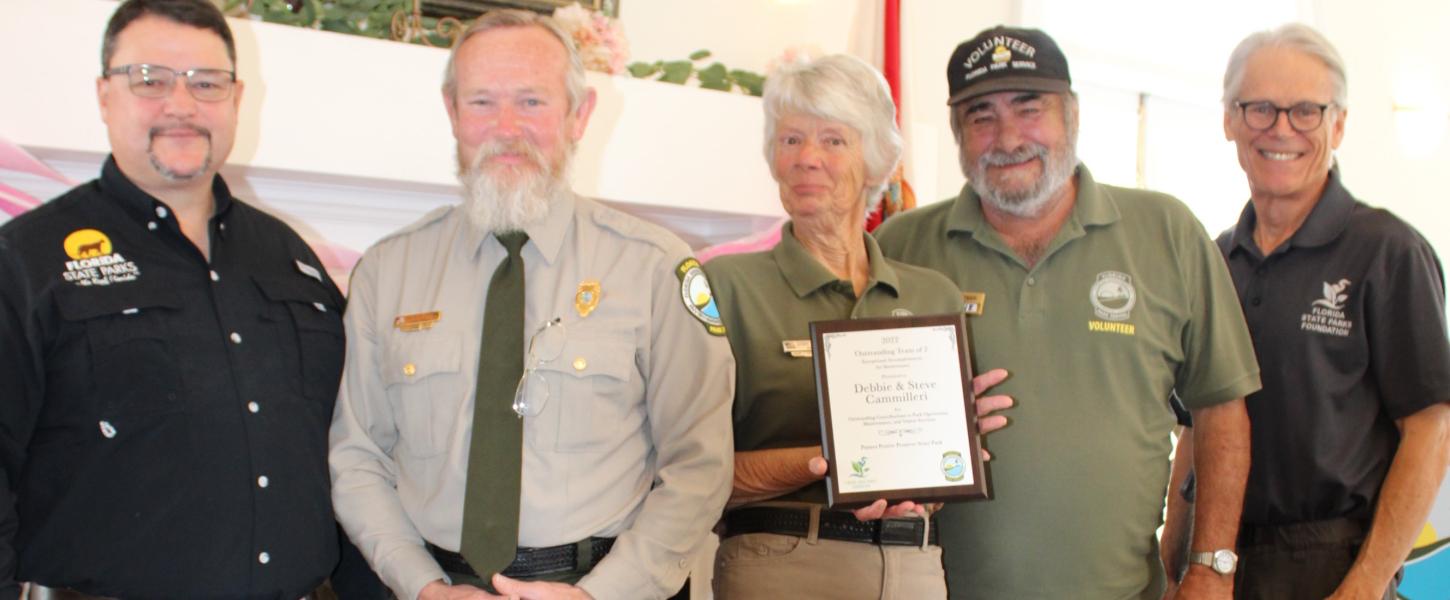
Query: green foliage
(370, 18)
(713, 77)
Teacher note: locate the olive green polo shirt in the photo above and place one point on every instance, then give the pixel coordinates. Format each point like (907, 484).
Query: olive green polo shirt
(1130, 301)
(769, 297)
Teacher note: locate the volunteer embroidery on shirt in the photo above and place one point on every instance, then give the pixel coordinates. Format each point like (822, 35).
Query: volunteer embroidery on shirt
(1326, 315)
(1113, 297)
(94, 261)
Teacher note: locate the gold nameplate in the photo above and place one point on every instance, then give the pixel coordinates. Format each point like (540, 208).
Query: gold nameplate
(972, 303)
(587, 297)
(796, 348)
(417, 321)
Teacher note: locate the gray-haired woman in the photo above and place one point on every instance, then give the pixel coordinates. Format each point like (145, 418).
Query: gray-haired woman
(831, 142)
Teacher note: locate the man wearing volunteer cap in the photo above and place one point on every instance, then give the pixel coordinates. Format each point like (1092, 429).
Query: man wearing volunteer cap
(1103, 301)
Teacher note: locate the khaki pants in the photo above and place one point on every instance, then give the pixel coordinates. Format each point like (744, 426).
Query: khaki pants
(768, 565)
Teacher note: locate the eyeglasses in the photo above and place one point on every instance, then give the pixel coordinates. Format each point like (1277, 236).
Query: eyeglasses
(533, 390)
(155, 81)
(1261, 115)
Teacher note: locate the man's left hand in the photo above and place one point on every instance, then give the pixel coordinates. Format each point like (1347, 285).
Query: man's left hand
(538, 590)
(1200, 582)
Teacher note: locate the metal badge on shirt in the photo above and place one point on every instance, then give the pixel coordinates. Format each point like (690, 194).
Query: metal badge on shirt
(587, 298)
(95, 261)
(417, 321)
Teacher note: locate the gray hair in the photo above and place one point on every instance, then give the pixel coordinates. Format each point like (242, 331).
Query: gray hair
(1295, 36)
(502, 18)
(844, 89)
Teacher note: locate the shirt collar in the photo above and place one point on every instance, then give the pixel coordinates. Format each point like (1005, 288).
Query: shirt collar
(546, 236)
(1326, 220)
(143, 206)
(805, 274)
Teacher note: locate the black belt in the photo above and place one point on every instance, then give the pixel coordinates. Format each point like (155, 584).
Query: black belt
(834, 525)
(532, 562)
(1328, 531)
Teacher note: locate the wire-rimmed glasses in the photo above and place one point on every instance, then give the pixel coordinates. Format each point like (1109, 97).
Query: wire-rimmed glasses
(532, 392)
(156, 81)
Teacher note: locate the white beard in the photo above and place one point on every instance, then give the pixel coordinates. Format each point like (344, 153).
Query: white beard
(1058, 168)
(520, 197)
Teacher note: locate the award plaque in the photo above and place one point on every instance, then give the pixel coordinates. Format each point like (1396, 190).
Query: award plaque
(898, 418)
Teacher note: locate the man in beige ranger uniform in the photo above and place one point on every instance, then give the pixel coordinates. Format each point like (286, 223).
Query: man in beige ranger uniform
(1102, 300)
(617, 393)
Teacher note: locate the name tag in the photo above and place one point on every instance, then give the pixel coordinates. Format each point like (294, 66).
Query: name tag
(972, 303)
(796, 348)
(417, 321)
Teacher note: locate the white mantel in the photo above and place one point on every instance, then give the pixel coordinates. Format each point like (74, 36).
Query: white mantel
(337, 129)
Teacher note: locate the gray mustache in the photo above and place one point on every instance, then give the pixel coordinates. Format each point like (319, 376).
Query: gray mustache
(999, 158)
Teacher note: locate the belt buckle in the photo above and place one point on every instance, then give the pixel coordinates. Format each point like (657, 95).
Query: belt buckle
(900, 532)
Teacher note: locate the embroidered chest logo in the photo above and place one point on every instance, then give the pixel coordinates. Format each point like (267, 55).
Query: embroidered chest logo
(1113, 297)
(1326, 315)
(94, 261)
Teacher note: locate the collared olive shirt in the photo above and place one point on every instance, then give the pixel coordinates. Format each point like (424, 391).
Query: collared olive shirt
(1130, 302)
(634, 438)
(163, 418)
(1348, 320)
(767, 298)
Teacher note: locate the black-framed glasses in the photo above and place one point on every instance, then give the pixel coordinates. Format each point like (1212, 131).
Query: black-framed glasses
(1262, 114)
(156, 81)
(533, 391)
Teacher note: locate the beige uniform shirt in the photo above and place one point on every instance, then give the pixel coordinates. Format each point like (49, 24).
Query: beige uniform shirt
(634, 440)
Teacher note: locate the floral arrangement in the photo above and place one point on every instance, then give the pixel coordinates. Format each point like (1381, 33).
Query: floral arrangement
(600, 39)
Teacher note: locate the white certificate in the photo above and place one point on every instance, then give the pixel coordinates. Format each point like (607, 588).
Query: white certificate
(897, 416)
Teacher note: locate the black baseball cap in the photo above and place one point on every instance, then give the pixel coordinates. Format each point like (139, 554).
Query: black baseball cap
(1004, 59)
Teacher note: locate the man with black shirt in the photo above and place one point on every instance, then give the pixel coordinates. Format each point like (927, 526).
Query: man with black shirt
(171, 354)
(1346, 306)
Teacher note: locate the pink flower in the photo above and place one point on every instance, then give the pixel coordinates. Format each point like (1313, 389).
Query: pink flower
(600, 39)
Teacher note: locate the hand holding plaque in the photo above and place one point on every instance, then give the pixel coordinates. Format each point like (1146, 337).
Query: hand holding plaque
(898, 418)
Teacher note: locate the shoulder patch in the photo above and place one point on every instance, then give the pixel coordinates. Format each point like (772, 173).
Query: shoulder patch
(697, 298)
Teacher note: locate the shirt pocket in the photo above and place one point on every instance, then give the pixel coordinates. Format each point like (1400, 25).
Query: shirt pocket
(421, 371)
(310, 321)
(133, 355)
(590, 386)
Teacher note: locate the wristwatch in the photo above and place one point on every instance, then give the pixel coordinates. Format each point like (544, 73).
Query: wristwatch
(1221, 561)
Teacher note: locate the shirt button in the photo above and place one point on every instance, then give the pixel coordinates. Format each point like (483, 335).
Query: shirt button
(264, 558)
(262, 481)
(409, 369)
(215, 276)
(236, 338)
(254, 407)
(1031, 281)
(108, 430)
(151, 225)
(161, 211)
(580, 364)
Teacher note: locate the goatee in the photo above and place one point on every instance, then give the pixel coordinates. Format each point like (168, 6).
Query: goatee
(501, 198)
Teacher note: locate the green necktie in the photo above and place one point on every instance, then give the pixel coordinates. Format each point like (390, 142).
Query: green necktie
(495, 458)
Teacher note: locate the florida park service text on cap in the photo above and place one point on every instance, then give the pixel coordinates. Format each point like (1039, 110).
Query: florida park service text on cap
(1007, 59)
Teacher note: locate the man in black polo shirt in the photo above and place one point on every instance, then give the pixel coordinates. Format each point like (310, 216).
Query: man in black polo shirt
(171, 355)
(1346, 307)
